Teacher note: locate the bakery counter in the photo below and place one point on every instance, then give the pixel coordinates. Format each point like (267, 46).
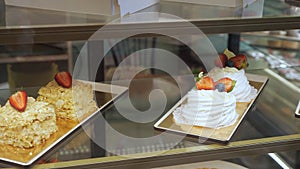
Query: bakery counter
(269, 126)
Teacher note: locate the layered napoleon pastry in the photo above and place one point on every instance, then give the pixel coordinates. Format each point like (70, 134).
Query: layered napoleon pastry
(70, 103)
(207, 108)
(243, 91)
(29, 128)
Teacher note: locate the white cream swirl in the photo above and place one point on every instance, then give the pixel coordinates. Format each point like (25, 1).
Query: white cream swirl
(243, 91)
(207, 108)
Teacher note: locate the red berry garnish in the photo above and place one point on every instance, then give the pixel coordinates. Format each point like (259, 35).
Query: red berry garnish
(64, 79)
(239, 61)
(19, 100)
(205, 83)
(221, 61)
(228, 84)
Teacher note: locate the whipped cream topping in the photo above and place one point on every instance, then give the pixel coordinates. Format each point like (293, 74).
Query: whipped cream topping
(207, 108)
(243, 91)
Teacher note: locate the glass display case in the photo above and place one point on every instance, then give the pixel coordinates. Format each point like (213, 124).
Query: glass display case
(268, 136)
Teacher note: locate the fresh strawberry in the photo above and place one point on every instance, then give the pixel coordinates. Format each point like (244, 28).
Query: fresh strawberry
(205, 83)
(18, 100)
(229, 84)
(64, 79)
(221, 61)
(239, 61)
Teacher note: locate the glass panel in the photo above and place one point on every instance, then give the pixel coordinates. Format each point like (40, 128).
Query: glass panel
(36, 17)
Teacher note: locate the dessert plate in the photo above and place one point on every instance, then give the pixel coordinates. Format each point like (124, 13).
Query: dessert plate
(206, 165)
(166, 123)
(26, 157)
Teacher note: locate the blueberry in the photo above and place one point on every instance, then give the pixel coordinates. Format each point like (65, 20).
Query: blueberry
(220, 87)
(230, 63)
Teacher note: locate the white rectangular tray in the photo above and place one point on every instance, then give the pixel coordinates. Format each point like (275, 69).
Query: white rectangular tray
(26, 157)
(222, 134)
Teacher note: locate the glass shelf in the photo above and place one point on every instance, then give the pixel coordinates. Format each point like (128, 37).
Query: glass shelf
(279, 51)
(63, 26)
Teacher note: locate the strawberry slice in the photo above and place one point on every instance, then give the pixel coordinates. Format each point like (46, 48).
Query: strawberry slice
(205, 83)
(19, 100)
(239, 61)
(64, 79)
(221, 61)
(228, 84)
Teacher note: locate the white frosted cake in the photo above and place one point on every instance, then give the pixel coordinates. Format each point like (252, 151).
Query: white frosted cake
(207, 108)
(29, 128)
(243, 91)
(70, 103)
